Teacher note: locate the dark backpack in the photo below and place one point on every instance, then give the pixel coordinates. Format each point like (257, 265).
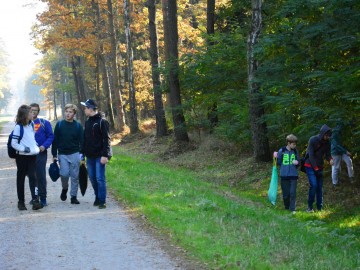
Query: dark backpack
(11, 151)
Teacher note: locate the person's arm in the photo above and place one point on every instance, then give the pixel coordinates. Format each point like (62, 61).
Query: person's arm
(15, 140)
(105, 134)
(311, 152)
(49, 135)
(54, 146)
(279, 157)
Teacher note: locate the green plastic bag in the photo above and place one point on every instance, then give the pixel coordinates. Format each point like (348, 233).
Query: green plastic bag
(273, 188)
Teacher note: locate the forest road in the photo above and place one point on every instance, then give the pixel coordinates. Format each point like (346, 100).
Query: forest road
(66, 236)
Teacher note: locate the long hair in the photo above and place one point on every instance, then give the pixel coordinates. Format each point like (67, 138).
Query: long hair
(22, 115)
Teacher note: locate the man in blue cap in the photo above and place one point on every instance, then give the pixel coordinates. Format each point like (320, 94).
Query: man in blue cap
(97, 150)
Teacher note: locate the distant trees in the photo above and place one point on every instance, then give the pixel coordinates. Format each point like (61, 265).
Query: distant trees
(5, 93)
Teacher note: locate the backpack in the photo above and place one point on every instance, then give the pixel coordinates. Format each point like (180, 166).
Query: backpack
(12, 153)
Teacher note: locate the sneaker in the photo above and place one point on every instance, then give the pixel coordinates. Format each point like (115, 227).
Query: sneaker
(74, 200)
(310, 210)
(21, 206)
(43, 202)
(63, 195)
(96, 202)
(36, 205)
(102, 205)
(293, 212)
(31, 202)
(351, 179)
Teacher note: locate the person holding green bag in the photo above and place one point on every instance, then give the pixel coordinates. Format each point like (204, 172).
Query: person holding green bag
(288, 160)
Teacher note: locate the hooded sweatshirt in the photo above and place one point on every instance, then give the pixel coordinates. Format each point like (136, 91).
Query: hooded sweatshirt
(336, 144)
(318, 149)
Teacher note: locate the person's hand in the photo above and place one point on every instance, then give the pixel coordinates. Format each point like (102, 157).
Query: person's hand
(275, 154)
(104, 160)
(27, 149)
(295, 162)
(55, 159)
(42, 148)
(348, 153)
(331, 162)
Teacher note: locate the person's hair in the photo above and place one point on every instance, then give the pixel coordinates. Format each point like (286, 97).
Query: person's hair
(35, 105)
(22, 115)
(71, 106)
(291, 138)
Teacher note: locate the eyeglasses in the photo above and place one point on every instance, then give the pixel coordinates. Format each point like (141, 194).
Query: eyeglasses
(34, 110)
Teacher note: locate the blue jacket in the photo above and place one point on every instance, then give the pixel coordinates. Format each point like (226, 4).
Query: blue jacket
(285, 159)
(44, 135)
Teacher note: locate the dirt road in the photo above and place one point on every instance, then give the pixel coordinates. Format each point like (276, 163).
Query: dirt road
(66, 236)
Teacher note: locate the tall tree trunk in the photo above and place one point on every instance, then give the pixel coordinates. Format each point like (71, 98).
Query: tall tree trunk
(101, 63)
(210, 29)
(79, 83)
(169, 9)
(134, 126)
(161, 127)
(256, 108)
(114, 70)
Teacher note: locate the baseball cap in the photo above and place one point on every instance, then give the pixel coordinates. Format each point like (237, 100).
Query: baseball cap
(90, 103)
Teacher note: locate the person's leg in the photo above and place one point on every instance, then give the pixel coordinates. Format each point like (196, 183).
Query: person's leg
(31, 173)
(293, 185)
(319, 193)
(349, 165)
(91, 169)
(74, 175)
(41, 159)
(313, 186)
(64, 175)
(335, 169)
(20, 177)
(101, 182)
(285, 188)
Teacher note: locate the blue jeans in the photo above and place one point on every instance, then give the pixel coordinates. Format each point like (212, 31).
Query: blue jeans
(96, 172)
(316, 184)
(288, 187)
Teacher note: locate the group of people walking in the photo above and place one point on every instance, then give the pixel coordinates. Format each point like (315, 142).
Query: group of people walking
(326, 145)
(71, 144)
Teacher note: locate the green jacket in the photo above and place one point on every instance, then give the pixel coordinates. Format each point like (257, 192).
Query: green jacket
(336, 145)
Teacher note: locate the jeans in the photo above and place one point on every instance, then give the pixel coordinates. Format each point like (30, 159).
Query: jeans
(26, 166)
(335, 169)
(316, 184)
(288, 187)
(41, 159)
(96, 172)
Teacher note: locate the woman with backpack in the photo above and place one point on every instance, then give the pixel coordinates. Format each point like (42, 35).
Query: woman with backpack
(27, 150)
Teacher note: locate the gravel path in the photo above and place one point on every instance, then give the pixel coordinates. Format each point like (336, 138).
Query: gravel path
(66, 236)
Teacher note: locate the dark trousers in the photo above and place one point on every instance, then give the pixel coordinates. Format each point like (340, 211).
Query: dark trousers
(26, 166)
(41, 159)
(288, 187)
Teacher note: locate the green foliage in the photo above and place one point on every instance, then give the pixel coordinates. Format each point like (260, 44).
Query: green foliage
(309, 56)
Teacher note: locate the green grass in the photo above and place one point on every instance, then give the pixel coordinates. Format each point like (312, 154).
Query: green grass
(228, 227)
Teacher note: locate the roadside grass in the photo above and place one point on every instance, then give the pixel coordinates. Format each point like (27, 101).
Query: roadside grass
(214, 206)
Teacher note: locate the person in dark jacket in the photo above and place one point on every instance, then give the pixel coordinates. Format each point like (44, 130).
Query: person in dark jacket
(44, 137)
(288, 160)
(340, 153)
(97, 150)
(318, 149)
(68, 142)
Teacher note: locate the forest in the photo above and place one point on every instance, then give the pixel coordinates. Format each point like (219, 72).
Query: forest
(249, 72)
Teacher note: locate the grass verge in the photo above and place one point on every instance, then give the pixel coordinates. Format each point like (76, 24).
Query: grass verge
(226, 227)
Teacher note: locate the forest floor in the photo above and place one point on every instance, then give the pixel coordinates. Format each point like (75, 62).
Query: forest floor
(222, 163)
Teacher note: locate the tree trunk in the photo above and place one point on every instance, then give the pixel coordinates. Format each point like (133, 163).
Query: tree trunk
(210, 29)
(256, 108)
(161, 127)
(169, 9)
(101, 63)
(79, 83)
(134, 126)
(114, 70)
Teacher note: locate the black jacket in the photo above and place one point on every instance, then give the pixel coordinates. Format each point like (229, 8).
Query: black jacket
(318, 149)
(97, 137)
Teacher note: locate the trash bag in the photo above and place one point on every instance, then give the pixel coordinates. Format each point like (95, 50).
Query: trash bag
(54, 171)
(273, 188)
(83, 178)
